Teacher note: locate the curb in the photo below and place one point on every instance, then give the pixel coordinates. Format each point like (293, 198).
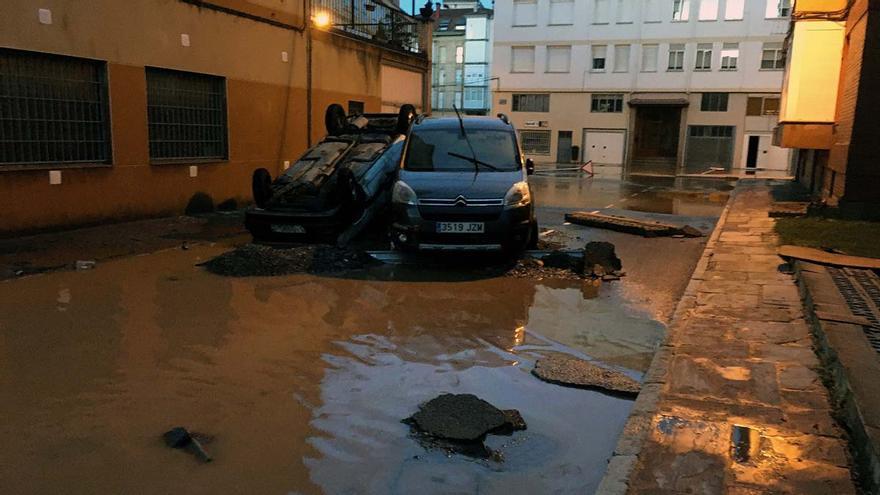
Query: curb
(637, 428)
(837, 379)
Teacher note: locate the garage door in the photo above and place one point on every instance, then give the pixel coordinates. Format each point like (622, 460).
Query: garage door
(708, 147)
(604, 147)
(400, 86)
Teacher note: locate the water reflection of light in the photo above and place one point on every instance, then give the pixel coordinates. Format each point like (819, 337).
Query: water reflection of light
(519, 336)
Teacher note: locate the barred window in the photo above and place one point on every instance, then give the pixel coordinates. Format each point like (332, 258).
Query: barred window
(535, 142)
(714, 102)
(186, 113)
(531, 102)
(711, 131)
(606, 103)
(53, 109)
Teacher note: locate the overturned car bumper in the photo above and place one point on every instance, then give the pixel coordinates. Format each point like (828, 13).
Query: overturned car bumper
(294, 226)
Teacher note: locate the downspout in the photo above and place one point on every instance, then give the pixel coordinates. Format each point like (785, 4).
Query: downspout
(307, 6)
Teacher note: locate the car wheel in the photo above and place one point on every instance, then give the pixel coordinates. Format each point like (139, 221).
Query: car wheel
(404, 118)
(261, 186)
(334, 119)
(533, 237)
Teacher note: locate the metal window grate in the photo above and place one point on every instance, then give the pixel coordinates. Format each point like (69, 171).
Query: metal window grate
(535, 142)
(186, 113)
(531, 102)
(53, 109)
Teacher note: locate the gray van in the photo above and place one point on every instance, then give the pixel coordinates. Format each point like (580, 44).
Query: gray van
(462, 186)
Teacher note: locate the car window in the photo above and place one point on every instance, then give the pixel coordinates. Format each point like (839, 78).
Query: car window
(430, 149)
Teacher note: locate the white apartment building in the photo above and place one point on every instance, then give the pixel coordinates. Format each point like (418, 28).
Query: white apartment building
(666, 87)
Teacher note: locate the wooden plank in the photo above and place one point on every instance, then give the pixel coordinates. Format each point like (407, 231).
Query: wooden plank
(826, 258)
(645, 228)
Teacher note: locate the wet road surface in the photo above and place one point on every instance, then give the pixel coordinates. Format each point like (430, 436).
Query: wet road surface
(300, 382)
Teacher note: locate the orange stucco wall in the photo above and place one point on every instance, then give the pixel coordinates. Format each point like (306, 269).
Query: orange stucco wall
(266, 103)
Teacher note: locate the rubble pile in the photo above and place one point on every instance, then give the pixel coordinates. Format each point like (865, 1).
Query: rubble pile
(573, 372)
(255, 260)
(597, 260)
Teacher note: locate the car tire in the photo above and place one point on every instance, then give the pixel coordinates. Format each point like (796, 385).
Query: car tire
(404, 118)
(261, 186)
(533, 236)
(335, 120)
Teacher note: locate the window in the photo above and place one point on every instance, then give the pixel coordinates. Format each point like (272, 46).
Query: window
(708, 10)
(441, 100)
(441, 77)
(624, 11)
(535, 142)
(606, 103)
(758, 106)
(186, 113)
(444, 24)
(621, 58)
(558, 58)
(652, 10)
(435, 149)
(458, 76)
(531, 102)
(458, 99)
(599, 54)
(474, 95)
(681, 10)
(777, 8)
(714, 102)
(525, 12)
(772, 56)
(733, 10)
(522, 59)
(355, 107)
(441, 54)
(561, 12)
(704, 57)
(600, 11)
(459, 54)
(729, 56)
(54, 109)
(676, 57)
(649, 58)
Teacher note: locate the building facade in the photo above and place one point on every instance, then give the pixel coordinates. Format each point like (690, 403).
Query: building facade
(114, 110)
(830, 102)
(665, 87)
(461, 66)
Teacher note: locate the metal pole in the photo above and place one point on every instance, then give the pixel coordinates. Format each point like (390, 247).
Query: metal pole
(309, 74)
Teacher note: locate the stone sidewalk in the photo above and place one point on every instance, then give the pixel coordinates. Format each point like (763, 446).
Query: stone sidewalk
(733, 402)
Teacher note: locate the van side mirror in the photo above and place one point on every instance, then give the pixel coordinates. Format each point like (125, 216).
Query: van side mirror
(530, 166)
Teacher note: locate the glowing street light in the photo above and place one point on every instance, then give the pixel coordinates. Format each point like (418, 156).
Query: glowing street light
(321, 19)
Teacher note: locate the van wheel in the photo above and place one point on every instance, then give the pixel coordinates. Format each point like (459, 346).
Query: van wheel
(261, 186)
(334, 119)
(404, 117)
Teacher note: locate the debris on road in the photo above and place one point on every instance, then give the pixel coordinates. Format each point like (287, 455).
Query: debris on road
(180, 438)
(645, 228)
(85, 264)
(573, 372)
(460, 423)
(255, 260)
(826, 258)
(601, 260)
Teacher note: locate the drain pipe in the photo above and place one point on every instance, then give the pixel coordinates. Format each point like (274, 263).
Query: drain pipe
(308, 25)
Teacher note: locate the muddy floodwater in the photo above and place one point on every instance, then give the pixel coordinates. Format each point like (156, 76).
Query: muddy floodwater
(298, 383)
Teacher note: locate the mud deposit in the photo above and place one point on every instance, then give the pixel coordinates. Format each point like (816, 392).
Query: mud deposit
(255, 260)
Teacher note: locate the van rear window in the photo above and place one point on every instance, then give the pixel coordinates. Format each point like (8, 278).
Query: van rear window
(429, 150)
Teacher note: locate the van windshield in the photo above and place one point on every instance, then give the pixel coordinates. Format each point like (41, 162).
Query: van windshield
(447, 150)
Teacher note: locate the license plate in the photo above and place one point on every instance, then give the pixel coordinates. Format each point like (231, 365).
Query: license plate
(285, 228)
(461, 227)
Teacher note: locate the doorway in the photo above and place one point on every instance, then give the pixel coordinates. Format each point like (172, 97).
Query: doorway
(752, 154)
(655, 140)
(563, 147)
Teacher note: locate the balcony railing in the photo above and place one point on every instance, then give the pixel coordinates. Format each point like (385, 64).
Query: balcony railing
(372, 20)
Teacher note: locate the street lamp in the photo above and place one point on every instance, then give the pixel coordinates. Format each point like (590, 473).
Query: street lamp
(321, 19)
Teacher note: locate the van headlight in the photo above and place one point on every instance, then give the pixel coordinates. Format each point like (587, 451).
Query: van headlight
(518, 195)
(403, 194)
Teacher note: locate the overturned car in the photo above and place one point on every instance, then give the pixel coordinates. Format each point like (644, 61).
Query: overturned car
(336, 188)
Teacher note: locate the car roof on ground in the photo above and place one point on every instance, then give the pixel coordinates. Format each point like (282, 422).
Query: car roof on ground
(469, 123)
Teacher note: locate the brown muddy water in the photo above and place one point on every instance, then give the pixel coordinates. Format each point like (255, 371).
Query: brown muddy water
(300, 382)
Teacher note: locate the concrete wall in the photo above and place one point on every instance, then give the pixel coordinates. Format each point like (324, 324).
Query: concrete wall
(266, 99)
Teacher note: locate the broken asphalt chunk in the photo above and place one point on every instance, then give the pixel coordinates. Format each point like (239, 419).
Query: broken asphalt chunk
(573, 372)
(645, 228)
